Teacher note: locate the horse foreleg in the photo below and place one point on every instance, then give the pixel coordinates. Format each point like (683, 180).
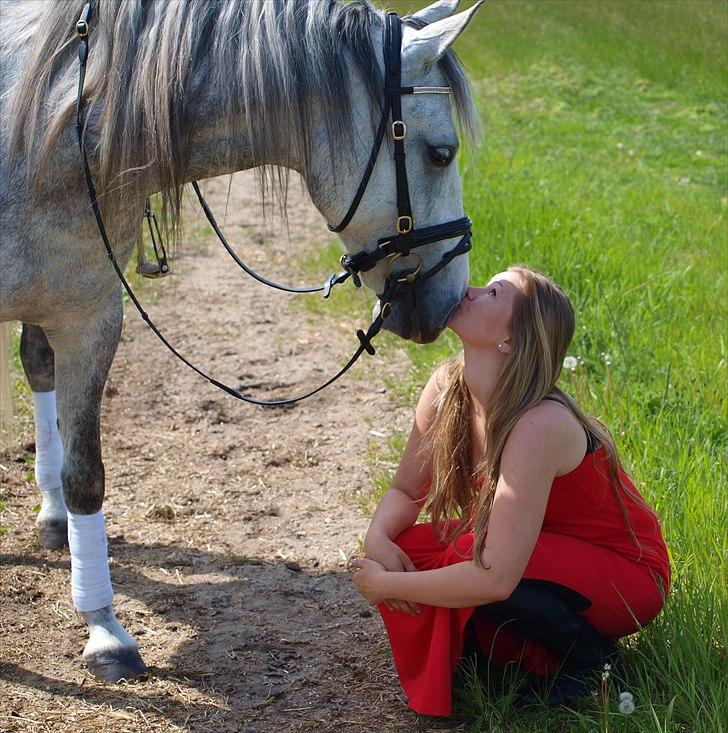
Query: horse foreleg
(84, 351)
(37, 357)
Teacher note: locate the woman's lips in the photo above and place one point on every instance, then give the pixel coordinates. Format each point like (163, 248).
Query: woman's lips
(457, 307)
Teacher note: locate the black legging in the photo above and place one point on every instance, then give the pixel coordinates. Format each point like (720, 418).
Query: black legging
(548, 614)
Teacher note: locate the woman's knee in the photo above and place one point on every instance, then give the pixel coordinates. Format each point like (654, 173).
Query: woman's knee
(416, 537)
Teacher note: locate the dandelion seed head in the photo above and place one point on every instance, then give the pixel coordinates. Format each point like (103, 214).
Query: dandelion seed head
(626, 696)
(570, 362)
(626, 707)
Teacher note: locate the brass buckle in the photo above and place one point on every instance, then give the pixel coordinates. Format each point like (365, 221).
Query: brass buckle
(404, 224)
(399, 130)
(410, 277)
(82, 29)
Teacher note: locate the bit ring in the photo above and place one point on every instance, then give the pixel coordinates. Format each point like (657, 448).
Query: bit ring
(409, 277)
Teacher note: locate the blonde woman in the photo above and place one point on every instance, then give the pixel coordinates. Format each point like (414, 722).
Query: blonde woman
(540, 548)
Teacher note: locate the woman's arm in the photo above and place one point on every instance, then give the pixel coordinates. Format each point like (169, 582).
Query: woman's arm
(533, 454)
(400, 506)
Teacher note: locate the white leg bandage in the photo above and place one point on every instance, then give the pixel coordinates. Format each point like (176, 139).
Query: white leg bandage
(90, 578)
(48, 446)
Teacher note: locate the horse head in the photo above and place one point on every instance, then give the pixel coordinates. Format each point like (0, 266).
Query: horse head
(429, 142)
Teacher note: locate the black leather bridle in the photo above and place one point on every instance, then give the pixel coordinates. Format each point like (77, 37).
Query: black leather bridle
(401, 245)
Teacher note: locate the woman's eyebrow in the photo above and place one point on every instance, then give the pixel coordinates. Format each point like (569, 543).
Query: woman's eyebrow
(498, 282)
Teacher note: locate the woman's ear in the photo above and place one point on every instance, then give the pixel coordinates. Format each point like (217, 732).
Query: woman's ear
(504, 346)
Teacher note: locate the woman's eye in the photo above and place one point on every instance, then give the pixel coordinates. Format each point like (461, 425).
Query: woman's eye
(441, 155)
(492, 292)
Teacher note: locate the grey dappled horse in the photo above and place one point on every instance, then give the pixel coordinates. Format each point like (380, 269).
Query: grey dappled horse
(177, 91)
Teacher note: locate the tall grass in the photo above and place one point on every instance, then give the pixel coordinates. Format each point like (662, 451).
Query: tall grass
(604, 166)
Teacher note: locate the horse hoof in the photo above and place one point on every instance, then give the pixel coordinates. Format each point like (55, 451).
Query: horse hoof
(117, 665)
(53, 534)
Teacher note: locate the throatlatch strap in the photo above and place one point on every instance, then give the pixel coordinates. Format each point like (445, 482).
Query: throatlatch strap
(381, 131)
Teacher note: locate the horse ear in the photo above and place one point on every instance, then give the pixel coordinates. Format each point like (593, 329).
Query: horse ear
(437, 11)
(423, 47)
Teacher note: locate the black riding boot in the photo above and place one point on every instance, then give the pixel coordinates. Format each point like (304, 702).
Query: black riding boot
(548, 614)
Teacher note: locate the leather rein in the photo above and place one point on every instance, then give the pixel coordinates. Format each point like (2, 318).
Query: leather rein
(402, 245)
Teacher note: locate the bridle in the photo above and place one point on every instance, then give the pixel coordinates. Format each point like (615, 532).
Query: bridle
(402, 245)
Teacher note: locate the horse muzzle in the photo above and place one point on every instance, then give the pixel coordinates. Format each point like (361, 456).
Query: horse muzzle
(422, 314)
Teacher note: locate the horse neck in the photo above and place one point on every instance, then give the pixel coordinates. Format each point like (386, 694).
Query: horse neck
(216, 151)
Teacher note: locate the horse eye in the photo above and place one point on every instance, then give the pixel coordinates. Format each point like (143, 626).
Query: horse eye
(441, 155)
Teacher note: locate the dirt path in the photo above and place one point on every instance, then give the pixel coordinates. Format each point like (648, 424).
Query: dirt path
(229, 525)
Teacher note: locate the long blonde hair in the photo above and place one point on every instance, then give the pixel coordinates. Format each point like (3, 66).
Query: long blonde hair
(542, 327)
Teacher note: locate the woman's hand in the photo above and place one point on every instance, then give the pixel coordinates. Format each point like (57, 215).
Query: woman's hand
(380, 548)
(366, 575)
(393, 558)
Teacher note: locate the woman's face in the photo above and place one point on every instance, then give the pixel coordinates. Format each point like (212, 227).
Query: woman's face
(484, 315)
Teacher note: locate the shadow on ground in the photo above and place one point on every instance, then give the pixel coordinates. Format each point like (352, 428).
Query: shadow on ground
(215, 658)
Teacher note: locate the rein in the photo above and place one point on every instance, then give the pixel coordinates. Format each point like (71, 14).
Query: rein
(398, 246)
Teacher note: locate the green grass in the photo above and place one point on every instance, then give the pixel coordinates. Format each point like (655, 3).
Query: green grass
(604, 165)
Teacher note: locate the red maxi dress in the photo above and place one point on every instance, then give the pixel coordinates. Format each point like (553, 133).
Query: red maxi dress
(583, 544)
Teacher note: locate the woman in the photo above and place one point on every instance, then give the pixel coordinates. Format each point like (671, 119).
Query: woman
(540, 548)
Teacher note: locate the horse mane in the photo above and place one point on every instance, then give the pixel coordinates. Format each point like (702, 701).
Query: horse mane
(272, 62)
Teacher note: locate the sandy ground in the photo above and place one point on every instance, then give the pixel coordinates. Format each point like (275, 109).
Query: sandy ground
(230, 526)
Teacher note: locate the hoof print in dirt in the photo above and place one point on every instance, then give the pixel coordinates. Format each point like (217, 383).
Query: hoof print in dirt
(124, 664)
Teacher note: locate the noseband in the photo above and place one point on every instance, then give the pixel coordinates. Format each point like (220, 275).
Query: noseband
(399, 246)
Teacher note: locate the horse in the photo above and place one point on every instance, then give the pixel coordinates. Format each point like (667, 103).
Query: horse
(177, 91)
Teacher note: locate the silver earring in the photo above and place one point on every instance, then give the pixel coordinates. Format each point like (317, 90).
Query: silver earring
(500, 346)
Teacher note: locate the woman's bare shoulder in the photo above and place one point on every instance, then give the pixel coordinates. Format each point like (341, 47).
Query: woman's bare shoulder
(552, 426)
(436, 384)
(551, 413)
(438, 381)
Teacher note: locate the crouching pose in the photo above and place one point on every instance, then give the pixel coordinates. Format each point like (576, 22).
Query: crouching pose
(540, 549)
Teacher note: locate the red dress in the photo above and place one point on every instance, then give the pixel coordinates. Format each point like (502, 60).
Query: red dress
(583, 544)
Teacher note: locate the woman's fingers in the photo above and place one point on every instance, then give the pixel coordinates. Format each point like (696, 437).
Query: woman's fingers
(393, 604)
(396, 605)
(408, 565)
(411, 609)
